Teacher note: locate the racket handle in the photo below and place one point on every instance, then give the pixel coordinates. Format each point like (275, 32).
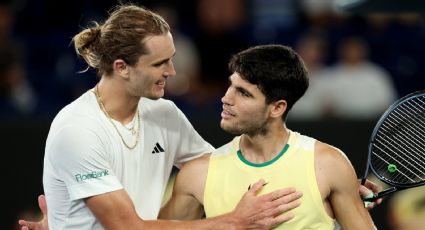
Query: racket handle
(379, 195)
(366, 199)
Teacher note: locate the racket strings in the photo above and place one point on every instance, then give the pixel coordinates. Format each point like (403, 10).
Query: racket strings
(417, 118)
(409, 140)
(406, 159)
(401, 162)
(398, 147)
(387, 162)
(414, 123)
(419, 104)
(406, 138)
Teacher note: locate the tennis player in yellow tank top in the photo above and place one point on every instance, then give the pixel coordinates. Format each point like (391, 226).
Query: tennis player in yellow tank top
(266, 82)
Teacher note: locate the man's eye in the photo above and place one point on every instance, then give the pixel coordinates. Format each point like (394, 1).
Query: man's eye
(245, 94)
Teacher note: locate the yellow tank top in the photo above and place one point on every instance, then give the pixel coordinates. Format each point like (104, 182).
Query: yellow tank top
(230, 175)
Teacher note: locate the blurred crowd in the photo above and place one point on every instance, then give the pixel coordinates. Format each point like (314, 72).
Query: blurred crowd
(358, 63)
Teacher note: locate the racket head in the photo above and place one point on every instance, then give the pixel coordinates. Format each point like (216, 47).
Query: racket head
(397, 145)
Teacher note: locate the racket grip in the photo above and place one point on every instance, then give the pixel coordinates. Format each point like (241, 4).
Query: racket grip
(368, 199)
(381, 194)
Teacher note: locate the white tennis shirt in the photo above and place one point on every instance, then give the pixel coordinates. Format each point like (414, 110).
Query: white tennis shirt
(85, 156)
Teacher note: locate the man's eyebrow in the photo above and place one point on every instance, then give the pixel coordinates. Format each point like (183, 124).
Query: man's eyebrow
(163, 60)
(243, 90)
(240, 88)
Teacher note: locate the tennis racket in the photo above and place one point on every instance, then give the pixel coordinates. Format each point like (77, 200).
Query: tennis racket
(397, 146)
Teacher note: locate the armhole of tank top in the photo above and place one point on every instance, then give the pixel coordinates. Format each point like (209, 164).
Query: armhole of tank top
(313, 184)
(212, 167)
(208, 183)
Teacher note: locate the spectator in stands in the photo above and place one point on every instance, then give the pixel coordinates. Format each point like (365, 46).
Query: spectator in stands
(312, 47)
(359, 89)
(17, 97)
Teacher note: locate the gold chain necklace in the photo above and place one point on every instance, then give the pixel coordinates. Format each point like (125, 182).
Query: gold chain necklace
(131, 129)
(137, 131)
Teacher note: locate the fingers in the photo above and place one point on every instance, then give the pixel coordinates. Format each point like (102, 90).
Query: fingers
(369, 205)
(42, 204)
(282, 206)
(280, 201)
(364, 192)
(29, 225)
(286, 203)
(372, 186)
(22, 222)
(268, 209)
(282, 218)
(288, 198)
(26, 225)
(256, 188)
(278, 194)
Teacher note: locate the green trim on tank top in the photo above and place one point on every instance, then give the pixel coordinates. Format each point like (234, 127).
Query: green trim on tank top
(285, 148)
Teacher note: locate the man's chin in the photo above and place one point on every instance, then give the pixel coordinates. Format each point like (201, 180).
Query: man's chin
(155, 96)
(230, 130)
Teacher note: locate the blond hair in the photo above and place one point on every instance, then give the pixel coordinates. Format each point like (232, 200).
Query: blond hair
(121, 36)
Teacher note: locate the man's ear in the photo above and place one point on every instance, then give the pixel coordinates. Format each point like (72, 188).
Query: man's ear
(121, 68)
(278, 108)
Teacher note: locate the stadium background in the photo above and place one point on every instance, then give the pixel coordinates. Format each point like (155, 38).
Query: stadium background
(36, 36)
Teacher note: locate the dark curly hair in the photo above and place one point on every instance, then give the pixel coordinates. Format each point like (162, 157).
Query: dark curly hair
(277, 70)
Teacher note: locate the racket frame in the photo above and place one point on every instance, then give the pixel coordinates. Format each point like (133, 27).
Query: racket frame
(395, 186)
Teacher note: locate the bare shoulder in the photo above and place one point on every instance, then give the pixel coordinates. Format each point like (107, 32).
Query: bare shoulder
(329, 155)
(338, 178)
(333, 163)
(192, 177)
(197, 165)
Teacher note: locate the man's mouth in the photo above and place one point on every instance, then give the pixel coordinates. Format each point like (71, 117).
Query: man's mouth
(226, 114)
(160, 83)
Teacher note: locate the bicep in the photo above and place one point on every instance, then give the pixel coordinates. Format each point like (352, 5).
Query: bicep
(181, 207)
(114, 210)
(185, 203)
(345, 199)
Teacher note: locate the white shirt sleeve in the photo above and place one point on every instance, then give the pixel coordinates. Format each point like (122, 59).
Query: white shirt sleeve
(76, 156)
(189, 144)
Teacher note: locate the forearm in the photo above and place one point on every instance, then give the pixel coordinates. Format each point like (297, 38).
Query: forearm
(181, 208)
(227, 221)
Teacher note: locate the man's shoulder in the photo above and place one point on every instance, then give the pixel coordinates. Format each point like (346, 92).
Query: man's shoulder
(327, 152)
(82, 112)
(332, 160)
(82, 106)
(200, 163)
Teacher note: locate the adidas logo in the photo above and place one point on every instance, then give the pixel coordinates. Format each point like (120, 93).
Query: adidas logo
(157, 149)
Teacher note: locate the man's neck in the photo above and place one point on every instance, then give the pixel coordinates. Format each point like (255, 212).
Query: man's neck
(262, 148)
(118, 103)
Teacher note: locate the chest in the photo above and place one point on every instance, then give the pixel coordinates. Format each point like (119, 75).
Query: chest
(151, 154)
(230, 180)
